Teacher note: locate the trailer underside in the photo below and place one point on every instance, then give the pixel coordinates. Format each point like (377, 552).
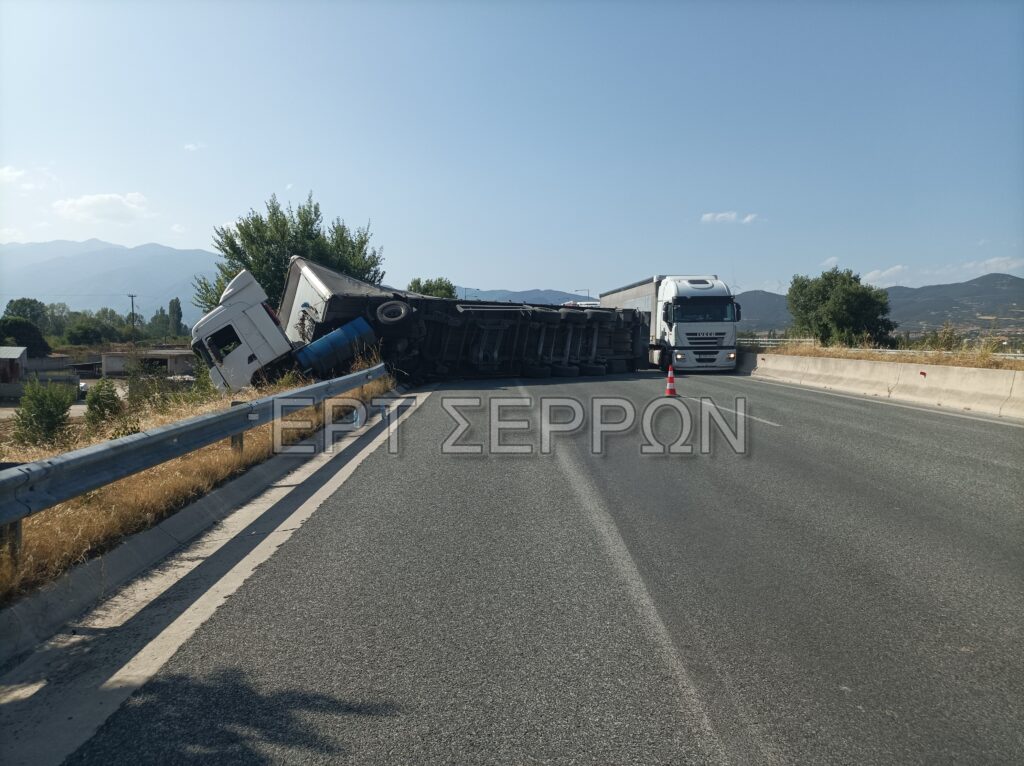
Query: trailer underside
(436, 338)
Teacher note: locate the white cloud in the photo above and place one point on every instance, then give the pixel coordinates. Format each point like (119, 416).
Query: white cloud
(886, 277)
(1004, 265)
(9, 175)
(289, 187)
(828, 263)
(982, 242)
(178, 228)
(194, 146)
(728, 216)
(95, 208)
(11, 234)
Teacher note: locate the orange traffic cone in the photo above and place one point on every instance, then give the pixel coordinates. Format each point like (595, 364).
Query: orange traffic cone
(670, 385)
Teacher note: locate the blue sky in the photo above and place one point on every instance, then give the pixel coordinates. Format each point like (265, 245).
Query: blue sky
(567, 145)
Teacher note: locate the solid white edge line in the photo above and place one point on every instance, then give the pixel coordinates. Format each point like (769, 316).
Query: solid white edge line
(148, 661)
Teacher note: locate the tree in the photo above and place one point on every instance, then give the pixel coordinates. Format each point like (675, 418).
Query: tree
(57, 317)
(24, 333)
(836, 308)
(111, 317)
(174, 312)
(87, 330)
(30, 309)
(263, 244)
(160, 325)
(439, 287)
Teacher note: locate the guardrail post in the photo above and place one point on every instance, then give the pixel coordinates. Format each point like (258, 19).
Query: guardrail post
(238, 440)
(10, 539)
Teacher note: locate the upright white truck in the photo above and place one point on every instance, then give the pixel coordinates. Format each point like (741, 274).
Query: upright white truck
(692, 319)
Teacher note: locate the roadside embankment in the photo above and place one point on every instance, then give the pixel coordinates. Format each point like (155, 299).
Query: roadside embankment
(968, 389)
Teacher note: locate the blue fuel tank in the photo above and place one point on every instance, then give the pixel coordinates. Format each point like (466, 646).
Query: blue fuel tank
(338, 346)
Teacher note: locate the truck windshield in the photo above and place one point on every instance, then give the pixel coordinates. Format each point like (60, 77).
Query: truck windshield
(704, 310)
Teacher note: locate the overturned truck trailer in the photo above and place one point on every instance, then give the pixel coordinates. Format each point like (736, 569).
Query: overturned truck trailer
(327, 319)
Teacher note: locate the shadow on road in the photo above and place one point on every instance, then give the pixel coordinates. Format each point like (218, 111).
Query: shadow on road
(221, 719)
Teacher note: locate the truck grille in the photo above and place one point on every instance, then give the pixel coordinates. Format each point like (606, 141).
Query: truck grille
(695, 340)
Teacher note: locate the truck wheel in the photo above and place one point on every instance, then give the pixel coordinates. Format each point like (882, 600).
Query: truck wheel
(588, 368)
(565, 370)
(393, 312)
(617, 366)
(537, 371)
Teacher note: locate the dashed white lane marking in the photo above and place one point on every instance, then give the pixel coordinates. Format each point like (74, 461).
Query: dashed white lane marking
(707, 400)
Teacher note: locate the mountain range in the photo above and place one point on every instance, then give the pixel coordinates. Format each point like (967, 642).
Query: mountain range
(992, 300)
(94, 274)
(520, 296)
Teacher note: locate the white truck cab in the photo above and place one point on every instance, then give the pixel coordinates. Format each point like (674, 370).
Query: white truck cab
(692, 319)
(240, 336)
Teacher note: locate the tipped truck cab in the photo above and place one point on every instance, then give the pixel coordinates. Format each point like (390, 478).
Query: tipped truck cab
(241, 336)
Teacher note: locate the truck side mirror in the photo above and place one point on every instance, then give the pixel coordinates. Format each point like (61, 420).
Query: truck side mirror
(739, 312)
(666, 313)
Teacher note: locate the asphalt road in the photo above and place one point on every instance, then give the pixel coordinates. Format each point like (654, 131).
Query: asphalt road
(850, 590)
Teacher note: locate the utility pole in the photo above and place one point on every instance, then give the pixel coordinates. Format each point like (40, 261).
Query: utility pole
(133, 296)
(584, 290)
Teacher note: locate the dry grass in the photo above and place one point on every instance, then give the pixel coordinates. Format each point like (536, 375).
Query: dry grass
(971, 358)
(56, 539)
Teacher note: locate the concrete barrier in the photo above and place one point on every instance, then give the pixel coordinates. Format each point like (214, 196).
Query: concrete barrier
(967, 389)
(961, 388)
(781, 367)
(858, 376)
(1013, 407)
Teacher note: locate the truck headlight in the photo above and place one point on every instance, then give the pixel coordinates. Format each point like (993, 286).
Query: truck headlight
(732, 354)
(680, 356)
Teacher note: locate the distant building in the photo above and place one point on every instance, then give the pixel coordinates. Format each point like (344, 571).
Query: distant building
(47, 364)
(162, 361)
(12, 370)
(13, 360)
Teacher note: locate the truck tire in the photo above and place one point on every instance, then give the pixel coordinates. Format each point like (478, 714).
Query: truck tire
(537, 371)
(565, 370)
(391, 313)
(590, 368)
(664, 360)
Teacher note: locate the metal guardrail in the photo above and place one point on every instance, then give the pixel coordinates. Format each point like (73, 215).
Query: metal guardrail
(32, 487)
